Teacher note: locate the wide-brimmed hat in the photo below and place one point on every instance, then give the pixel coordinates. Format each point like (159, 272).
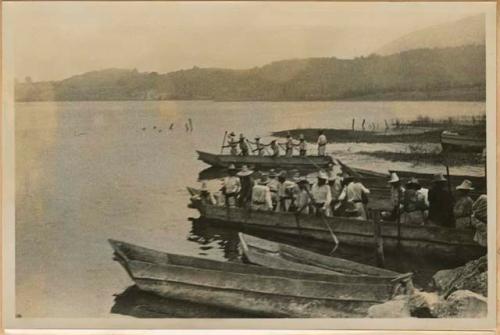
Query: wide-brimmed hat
(272, 173)
(438, 178)
(322, 175)
(257, 137)
(394, 178)
(245, 171)
(466, 185)
(303, 180)
(242, 136)
(413, 181)
(232, 133)
(263, 180)
(282, 174)
(231, 167)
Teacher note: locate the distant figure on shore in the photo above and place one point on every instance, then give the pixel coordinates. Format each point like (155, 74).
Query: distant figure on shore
(302, 145)
(243, 145)
(232, 143)
(322, 143)
(440, 203)
(171, 126)
(190, 124)
(187, 127)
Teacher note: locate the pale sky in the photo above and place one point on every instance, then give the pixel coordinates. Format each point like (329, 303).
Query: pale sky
(55, 40)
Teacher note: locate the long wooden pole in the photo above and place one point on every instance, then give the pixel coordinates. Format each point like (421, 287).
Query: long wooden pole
(379, 242)
(223, 142)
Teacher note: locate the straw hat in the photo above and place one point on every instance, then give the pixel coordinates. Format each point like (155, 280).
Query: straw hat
(263, 179)
(303, 180)
(322, 175)
(413, 181)
(439, 178)
(231, 167)
(245, 171)
(466, 185)
(272, 173)
(257, 137)
(394, 178)
(241, 136)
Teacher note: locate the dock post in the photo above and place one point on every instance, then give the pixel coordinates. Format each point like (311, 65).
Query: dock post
(379, 242)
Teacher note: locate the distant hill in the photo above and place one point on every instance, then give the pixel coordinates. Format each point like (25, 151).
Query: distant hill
(453, 73)
(467, 31)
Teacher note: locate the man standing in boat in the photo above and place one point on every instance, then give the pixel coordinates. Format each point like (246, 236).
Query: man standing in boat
(231, 186)
(440, 203)
(321, 195)
(275, 148)
(246, 182)
(322, 143)
(302, 146)
(243, 145)
(356, 193)
(303, 198)
(259, 146)
(289, 146)
(397, 193)
(232, 143)
(273, 185)
(261, 195)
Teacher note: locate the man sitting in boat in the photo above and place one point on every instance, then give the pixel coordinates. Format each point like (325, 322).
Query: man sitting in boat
(413, 204)
(205, 196)
(302, 145)
(261, 195)
(322, 143)
(231, 186)
(321, 195)
(463, 206)
(440, 203)
(243, 145)
(232, 143)
(356, 193)
(246, 182)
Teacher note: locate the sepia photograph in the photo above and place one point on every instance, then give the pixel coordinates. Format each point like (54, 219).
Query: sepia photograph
(315, 165)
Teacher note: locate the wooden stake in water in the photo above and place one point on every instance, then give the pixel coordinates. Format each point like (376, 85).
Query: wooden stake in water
(379, 242)
(223, 142)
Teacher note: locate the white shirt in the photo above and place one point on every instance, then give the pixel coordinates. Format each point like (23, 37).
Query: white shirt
(322, 139)
(354, 192)
(261, 195)
(321, 194)
(232, 184)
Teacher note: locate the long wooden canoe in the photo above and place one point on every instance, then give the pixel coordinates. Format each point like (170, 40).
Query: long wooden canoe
(251, 289)
(294, 162)
(283, 256)
(452, 141)
(440, 242)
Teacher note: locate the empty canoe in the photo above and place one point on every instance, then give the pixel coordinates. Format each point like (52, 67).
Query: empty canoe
(294, 162)
(251, 289)
(283, 256)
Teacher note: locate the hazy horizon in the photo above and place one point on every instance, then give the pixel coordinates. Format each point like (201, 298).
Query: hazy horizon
(77, 37)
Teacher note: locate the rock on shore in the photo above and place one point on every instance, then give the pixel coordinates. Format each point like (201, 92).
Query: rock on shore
(473, 276)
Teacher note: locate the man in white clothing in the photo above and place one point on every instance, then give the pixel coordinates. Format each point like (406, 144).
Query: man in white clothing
(232, 186)
(261, 195)
(321, 195)
(355, 192)
(321, 143)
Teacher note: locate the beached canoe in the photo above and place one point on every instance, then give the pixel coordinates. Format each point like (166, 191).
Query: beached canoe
(437, 241)
(251, 289)
(455, 142)
(294, 162)
(283, 256)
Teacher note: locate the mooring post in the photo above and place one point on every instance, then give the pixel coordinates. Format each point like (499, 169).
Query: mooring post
(379, 242)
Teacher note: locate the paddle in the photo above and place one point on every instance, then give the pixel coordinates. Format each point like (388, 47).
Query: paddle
(223, 142)
(323, 219)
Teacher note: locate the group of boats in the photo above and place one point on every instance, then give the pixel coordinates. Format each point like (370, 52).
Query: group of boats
(280, 280)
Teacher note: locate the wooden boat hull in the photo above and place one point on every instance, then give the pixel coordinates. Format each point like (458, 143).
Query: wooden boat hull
(453, 142)
(295, 162)
(437, 241)
(283, 256)
(250, 289)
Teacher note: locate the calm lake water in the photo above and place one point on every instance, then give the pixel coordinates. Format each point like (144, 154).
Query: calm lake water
(89, 171)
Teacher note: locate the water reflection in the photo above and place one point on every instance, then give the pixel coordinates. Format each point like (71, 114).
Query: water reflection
(141, 304)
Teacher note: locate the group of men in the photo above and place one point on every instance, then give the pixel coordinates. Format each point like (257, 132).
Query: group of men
(243, 146)
(334, 193)
(415, 204)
